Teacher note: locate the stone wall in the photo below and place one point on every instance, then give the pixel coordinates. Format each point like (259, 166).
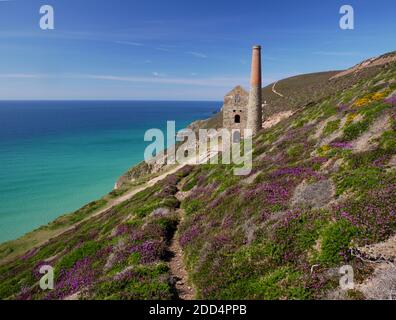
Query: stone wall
(235, 104)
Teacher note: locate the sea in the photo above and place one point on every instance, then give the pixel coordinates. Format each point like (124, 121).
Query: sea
(56, 156)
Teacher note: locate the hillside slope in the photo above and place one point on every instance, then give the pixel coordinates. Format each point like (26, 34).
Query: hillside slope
(321, 195)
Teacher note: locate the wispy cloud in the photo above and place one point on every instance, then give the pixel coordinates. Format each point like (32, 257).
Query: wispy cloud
(228, 81)
(156, 78)
(130, 43)
(225, 81)
(197, 54)
(158, 74)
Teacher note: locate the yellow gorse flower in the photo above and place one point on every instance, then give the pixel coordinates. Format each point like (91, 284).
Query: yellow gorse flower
(362, 102)
(350, 118)
(377, 96)
(324, 149)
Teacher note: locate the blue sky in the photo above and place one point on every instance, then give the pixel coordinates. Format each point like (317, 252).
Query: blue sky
(178, 50)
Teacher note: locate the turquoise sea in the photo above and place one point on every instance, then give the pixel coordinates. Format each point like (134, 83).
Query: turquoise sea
(56, 156)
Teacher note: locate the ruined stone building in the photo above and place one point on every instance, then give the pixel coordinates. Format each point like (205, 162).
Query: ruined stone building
(235, 108)
(243, 110)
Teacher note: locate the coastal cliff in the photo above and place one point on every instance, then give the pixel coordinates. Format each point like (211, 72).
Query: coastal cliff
(321, 195)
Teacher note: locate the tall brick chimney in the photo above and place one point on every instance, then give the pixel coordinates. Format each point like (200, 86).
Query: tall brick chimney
(254, 112)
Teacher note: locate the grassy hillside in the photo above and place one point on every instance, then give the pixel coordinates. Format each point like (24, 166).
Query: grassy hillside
(323, 185)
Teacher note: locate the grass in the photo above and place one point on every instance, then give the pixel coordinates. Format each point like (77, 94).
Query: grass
(355, 129)
(331, 127)
(240, 240)
(358, 180)
(335, 240)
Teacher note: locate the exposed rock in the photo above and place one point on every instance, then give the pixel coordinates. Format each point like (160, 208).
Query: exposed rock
(74, 296)
(112, 257)
(320, 127)
(160, 212)
(182, 195)
(52, 258)
(250, 179)
(336, 134)
(276, 118)
(366, 141)
(123, 273)
(315, 195)
(385, 250)
(250, 228)
(381, 285)
(392, 162)
(110, 262)
(332, 165)
(384, 59)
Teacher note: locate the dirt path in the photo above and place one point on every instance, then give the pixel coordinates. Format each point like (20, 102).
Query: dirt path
(184, 290)
(276, 92)
(130, 194)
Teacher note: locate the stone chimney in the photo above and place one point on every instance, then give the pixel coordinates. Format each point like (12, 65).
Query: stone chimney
(254, 112)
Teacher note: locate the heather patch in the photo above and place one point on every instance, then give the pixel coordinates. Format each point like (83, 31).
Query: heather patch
(68, 282)
(189, 235)
(104, 246)
(374, 215)
(142, 282)
(254, 237)
(271, 193)
(294, 175)
(86, 250)
(391, 100)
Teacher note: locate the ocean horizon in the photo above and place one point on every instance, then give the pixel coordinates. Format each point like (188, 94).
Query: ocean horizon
(58, 155)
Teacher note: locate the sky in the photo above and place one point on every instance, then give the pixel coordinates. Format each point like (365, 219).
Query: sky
(178, 50)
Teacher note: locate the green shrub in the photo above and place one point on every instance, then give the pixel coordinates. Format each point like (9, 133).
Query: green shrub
(88, 249)
(295, 150)
(189, 184)
(336, 239)
(146, 209)
(283, 283)
(331, 127)
(145, 283)
(329, 109)
(191, 206)
(359, 179)
(134, 258)
(388, 141)
(354, 130)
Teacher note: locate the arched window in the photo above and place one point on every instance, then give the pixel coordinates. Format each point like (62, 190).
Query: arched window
(237, 118)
